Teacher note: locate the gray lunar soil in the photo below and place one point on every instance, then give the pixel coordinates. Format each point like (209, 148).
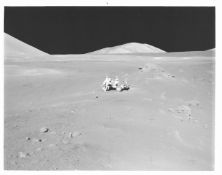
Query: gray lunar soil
(57, 117)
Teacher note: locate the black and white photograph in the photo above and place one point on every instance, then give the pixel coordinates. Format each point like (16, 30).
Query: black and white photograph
(109, 88)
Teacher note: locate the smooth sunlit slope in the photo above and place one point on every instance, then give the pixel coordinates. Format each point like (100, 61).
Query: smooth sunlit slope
(129, 48)
(17, 48)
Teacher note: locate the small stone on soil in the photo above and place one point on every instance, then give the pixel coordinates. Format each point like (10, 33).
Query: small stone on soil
(193, 103)
(37, 140)
(23, 155)
(44, 130)
(70, 135)
(28, 138)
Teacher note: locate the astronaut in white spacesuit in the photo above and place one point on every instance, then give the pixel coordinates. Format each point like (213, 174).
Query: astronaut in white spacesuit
(107, 84)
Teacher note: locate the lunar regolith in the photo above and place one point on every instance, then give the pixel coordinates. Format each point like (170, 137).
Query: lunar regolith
(57, 117)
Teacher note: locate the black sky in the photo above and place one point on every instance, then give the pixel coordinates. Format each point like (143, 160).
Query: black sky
(76, 30)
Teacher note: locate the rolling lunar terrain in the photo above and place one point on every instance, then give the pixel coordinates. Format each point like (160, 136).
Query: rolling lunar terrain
(57, 117)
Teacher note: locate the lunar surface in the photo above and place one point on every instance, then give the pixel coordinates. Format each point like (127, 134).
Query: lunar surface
(57, 117)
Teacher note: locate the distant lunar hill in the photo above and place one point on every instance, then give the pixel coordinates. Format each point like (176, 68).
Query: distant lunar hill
(129, 48)
(17, 48)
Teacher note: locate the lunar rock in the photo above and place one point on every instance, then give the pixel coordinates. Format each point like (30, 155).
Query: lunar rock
(70, 135)
(44, 130)
(23, 155)
(182, 112)
(194, 103)
(35, 140)
(27, 138)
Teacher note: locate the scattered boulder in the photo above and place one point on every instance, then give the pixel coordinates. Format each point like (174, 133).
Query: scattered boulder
(27, 138)
(35, 140)
(23, 155)
(193, 103)
(183, 111)
(70, 135)
(44, 130)
(167, 75)
(157, 71)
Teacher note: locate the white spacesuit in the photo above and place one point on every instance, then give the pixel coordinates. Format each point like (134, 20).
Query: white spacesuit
(115, 83)
(107, 83)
